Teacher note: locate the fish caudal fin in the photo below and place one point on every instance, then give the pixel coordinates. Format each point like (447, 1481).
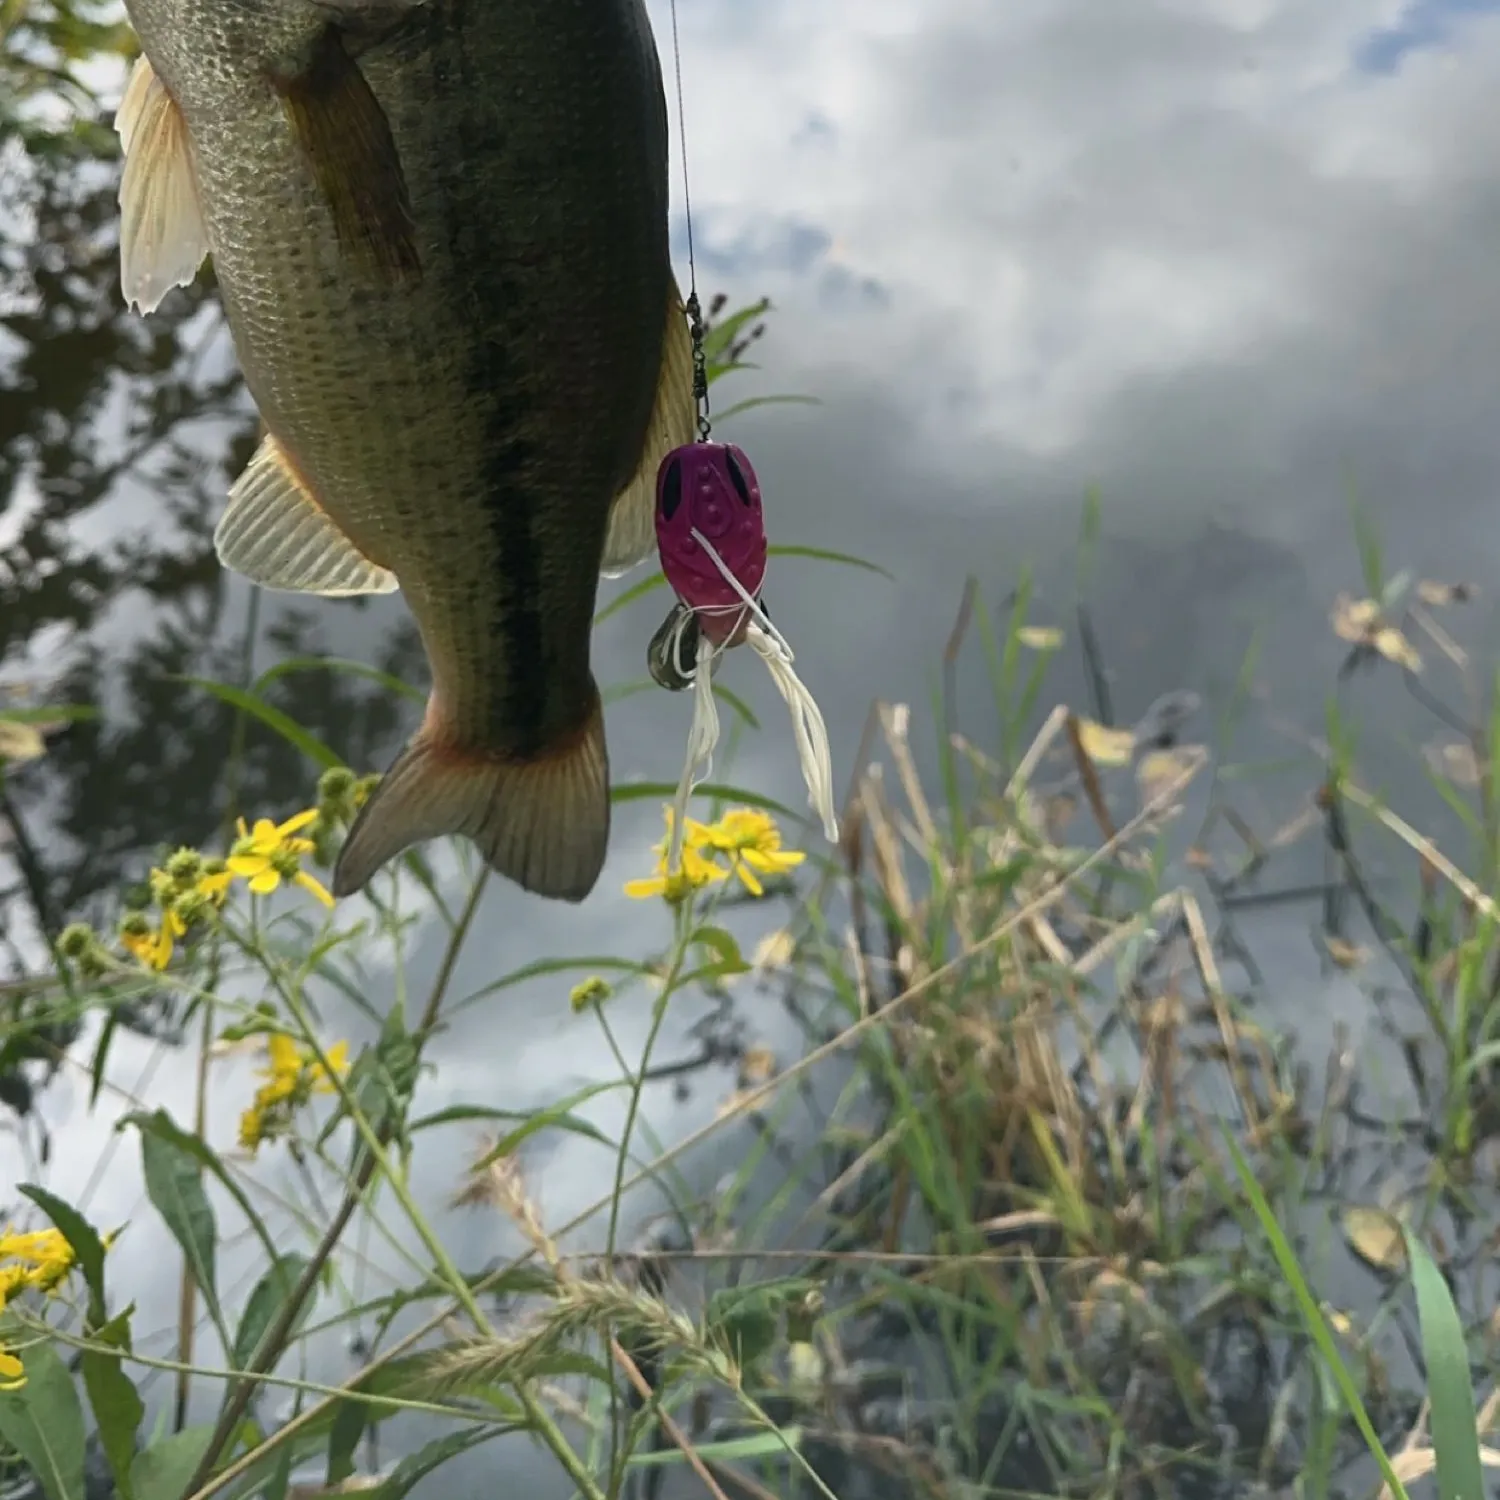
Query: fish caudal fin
(632, 519)
(162, 237)
(276, 534)
(543, 823)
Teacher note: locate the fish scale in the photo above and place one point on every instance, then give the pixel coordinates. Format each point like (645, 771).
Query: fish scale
(439, 228)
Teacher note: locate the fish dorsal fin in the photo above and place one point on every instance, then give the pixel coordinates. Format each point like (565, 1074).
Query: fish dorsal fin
(162, 237)
(276, 534)
(632, 519)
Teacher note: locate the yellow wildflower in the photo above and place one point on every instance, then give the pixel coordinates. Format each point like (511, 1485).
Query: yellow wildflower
(152, 946)
(695, 871)
(752, 843)
(270, 853)
(40, 1258)
(215, 880)
(12, 1374)
(293, 1075)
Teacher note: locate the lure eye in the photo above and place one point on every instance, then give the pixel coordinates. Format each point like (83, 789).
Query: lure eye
(671, 489)
(737, 476)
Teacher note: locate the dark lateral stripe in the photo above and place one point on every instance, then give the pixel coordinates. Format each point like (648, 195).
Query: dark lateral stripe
(515, 607)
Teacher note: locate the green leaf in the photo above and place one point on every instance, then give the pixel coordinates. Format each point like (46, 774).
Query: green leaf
(722, 943)
(82, 1238)
(763, 1445)
(350, 1418)
(753, 401)
(273, 718)
(161, 1125)
(823, 554)
(342, 666)
(1455, 1434)
(419, 1465)
(281, 1476)
(380, 1083)
(462, 1113)
(62, 713)
(745, 1321)
(636, 591)
(584, 963)
(718, 337)
(269, 1295)
(1312, 1314)
(731, 700)
(558, 1116)
(43, 1421)
(174, 1183)
(113, 1398)
(101, 1054)
(261, 1479)
(165, 1469)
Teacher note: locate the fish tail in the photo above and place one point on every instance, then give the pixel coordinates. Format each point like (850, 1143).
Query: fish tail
(542, 822)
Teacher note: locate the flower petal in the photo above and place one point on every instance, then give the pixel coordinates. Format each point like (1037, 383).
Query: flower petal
(292, 825)
(282, 1055)
(265, 882)
(311, 883)
(646, 890)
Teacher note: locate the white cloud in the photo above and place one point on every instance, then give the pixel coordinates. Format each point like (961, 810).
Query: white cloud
(1063, 198)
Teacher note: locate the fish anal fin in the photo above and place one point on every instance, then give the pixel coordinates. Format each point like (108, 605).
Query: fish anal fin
(276, 534)
(341, 126)
(163, 240)
(632, 518)
(543, 822)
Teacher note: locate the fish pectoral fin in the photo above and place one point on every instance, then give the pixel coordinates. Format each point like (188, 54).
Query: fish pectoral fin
(632, 519)
(162, 237)
(276, 534)
(343, 130)
(543, 823)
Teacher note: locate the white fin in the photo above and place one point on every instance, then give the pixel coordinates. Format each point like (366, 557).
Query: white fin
(543, 823)
(632, 520)
(162, 238)
(276, 534)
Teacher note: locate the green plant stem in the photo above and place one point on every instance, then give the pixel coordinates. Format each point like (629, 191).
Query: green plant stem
(1042, 902)
(548, 1430)
(188, 1289)
(684, 923)
(275, 1338)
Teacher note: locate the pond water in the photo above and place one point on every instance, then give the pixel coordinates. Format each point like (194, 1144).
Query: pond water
(1231, 262)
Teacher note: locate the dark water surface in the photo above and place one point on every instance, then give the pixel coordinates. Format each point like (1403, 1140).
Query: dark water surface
(1230, 261)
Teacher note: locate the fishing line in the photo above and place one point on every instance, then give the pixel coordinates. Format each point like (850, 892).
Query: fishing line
(693, 307)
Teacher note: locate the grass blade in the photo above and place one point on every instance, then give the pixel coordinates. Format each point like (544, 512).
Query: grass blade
(1455, 1433)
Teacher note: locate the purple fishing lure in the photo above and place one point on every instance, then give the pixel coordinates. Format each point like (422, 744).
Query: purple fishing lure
(711, 489)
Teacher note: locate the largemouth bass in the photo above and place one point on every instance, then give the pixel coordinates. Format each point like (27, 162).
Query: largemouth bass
(439, 231)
